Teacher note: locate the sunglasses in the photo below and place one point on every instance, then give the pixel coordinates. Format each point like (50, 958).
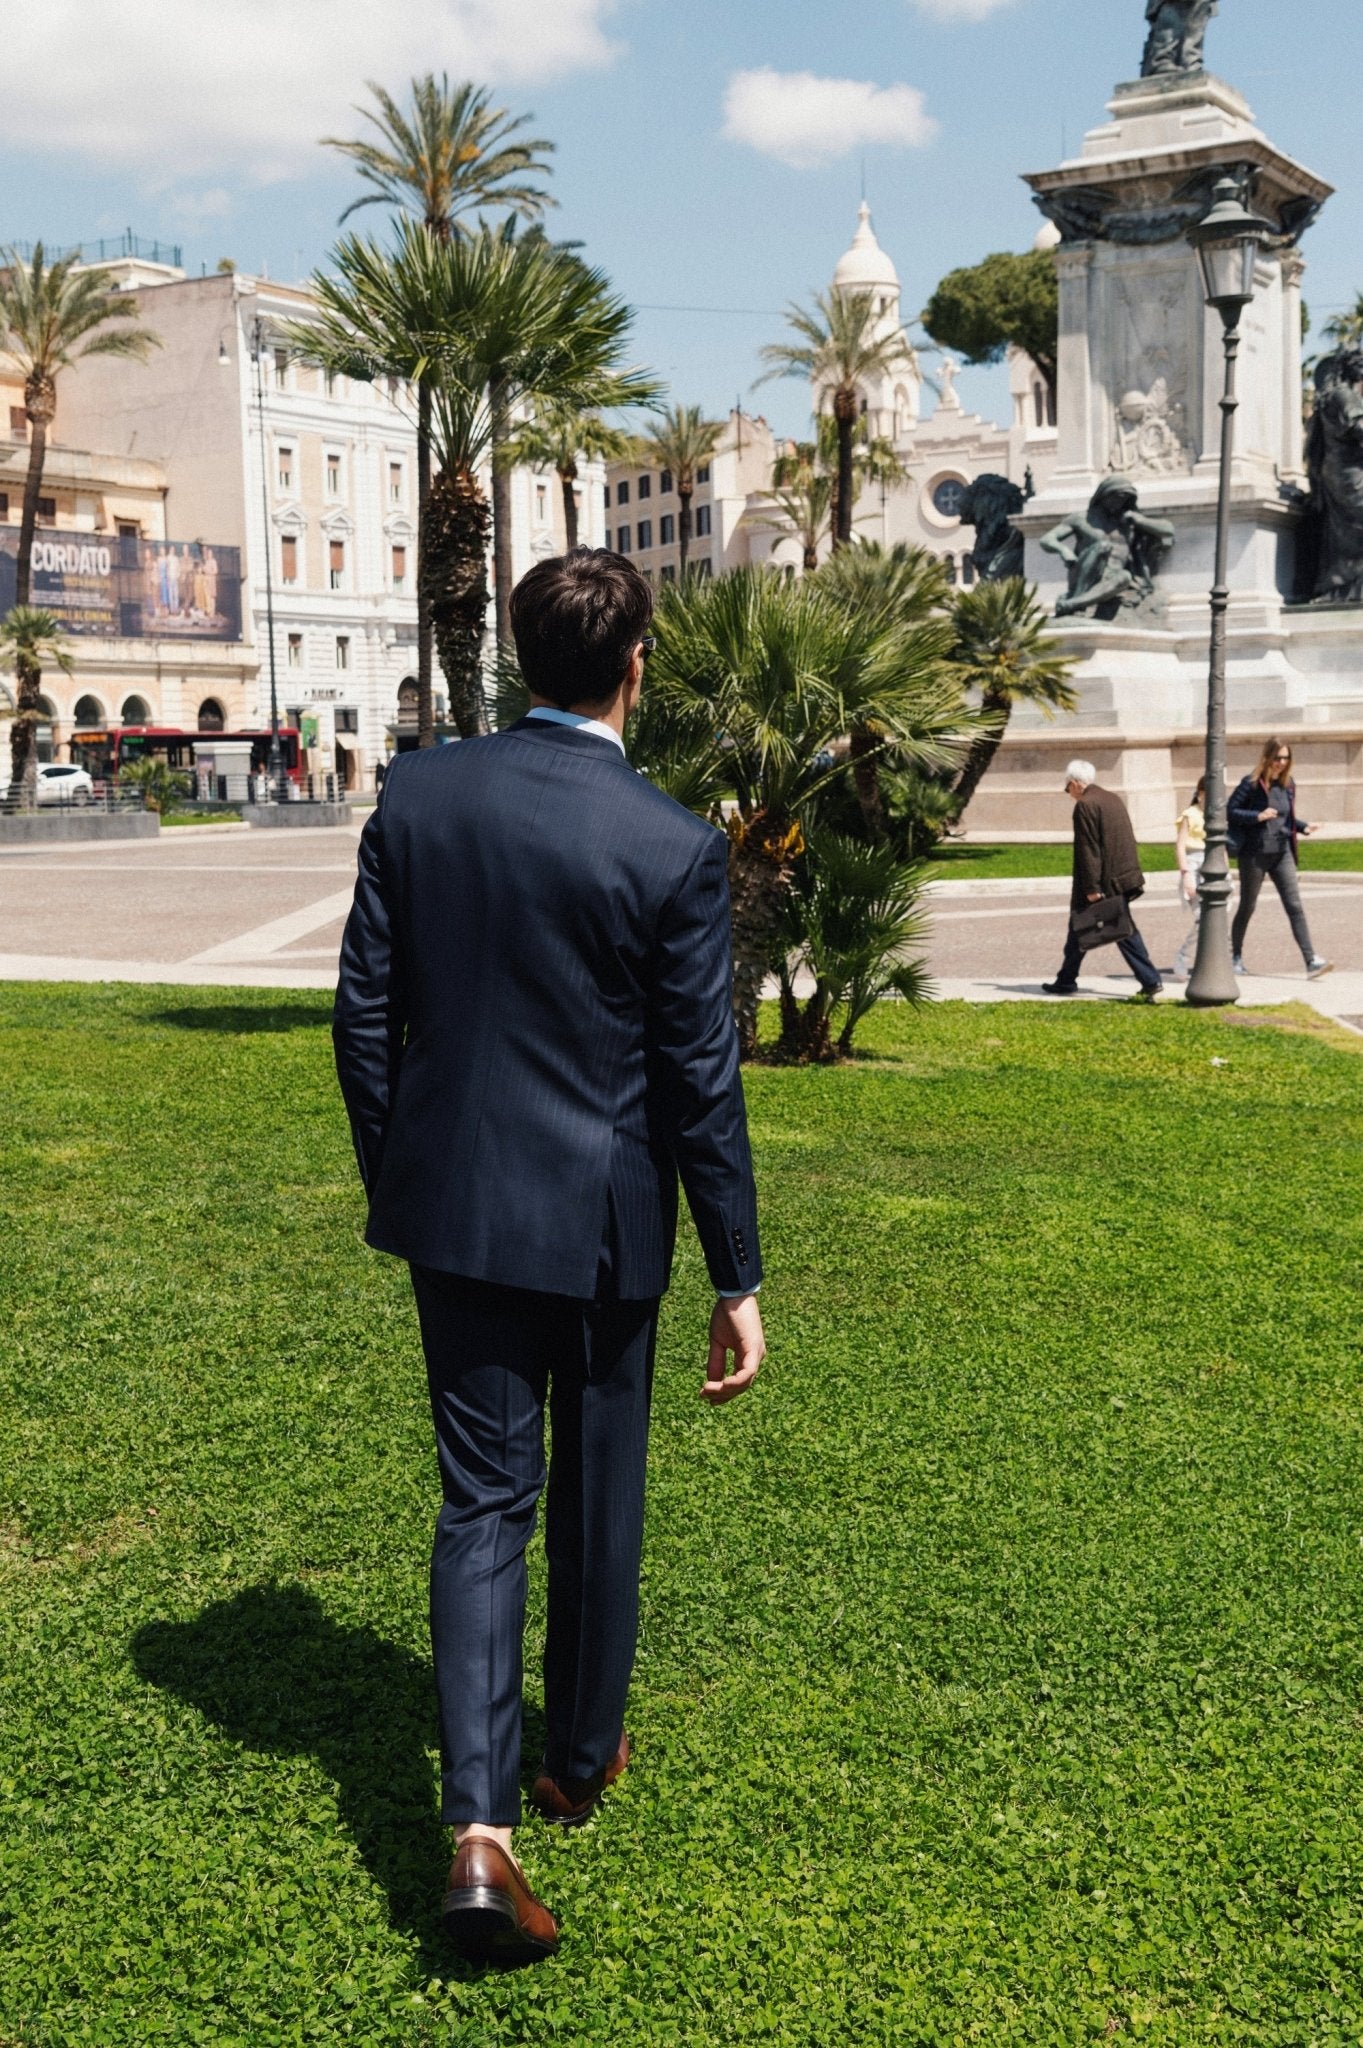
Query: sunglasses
(647, 645)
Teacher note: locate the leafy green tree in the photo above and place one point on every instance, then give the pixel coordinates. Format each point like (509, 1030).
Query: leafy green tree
(682, 440)
(554, 437)
(160, 786)
(1005, 650)
(762, 676)
(484, 321)
(438, 161)
(838, 347)
(1006, 300)
(53, 315)
(30, 641)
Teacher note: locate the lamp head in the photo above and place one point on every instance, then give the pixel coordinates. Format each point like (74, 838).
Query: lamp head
(1228, 240)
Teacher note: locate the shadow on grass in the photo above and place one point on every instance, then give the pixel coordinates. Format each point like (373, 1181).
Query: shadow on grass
(238, 1017)
(274, 1672)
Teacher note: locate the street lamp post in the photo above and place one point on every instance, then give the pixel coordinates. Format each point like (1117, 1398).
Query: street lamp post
(276, 761)
(1227, 242)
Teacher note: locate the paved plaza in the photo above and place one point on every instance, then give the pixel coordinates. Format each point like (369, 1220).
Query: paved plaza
(229, 906)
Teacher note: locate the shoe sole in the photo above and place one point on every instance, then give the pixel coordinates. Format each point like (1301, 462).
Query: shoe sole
(579, 1820)
(482, 1924)
(1319, 973)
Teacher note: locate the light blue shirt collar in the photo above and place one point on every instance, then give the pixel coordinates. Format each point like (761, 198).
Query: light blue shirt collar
(551, 715)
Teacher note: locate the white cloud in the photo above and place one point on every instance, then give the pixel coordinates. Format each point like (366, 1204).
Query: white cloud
(803, 120)
(961, 10)
(249, 85)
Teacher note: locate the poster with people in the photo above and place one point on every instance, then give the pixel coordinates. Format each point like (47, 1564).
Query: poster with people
(118, 587)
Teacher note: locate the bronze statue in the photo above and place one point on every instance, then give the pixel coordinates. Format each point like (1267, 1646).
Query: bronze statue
(1334, 465)
(1113, 553)
(986, 505)
(1178, 30)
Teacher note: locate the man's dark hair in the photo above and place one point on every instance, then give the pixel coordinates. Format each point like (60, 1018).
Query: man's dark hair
(577, 620)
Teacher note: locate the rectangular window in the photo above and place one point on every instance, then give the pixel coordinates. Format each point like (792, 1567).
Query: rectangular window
(333, 476)
(665, 484)
(18, 423)
(645, 534)
(701, 568)
(281, 366)
(622, 541)
(669, 572)
(284, 472)
(295, 650)
(541, 502)
(337, 561)
(667, 529)
(47, 508)
(4, 504)
(288, 558)
(342, 651)
(702, 521)
(347, 718)
(622, 492)
(395, 483)
(399, 568)
(703, 473)
(645, 486)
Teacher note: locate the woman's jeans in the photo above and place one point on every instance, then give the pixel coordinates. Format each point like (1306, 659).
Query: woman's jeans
(1282, 868)
(1186, 950)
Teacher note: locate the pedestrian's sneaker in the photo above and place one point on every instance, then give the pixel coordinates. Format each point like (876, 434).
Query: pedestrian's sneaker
(1237, 964)
(1315, 967)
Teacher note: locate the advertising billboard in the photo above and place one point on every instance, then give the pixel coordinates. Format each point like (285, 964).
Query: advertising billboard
(126, 589)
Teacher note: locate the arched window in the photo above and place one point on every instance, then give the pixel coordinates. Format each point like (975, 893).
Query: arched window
(1039, 402)
(211, 717)
(949, 562)
(1050, 406)
(136, 711)
(967, 569)
(88, 711)
(407, 701)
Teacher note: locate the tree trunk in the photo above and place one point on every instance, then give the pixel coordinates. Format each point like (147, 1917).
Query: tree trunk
(454, 540)
(683, 526)
(981, 754)
(762, 856)
(811, 556)
(865, 755)
(425, 707)
(501, 514)
(23, 732)
(568, 479)
(845, 416)
(40, 403)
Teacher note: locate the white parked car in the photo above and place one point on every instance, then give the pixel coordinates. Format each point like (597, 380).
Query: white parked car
(58, 784)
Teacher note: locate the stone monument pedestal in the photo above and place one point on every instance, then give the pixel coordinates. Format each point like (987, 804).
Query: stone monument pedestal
(1140, 381)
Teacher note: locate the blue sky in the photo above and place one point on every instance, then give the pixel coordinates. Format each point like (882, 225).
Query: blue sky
(200, 129)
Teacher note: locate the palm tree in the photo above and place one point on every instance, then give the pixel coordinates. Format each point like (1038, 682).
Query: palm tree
(1004, 649)
(437, 163)
(482, 322)
(29, 642)
(768, 673)
(553, 438)
(803, 489)
(1346, 329)
(53, 315)
(838, 349)
(856, 910)
(682, 440)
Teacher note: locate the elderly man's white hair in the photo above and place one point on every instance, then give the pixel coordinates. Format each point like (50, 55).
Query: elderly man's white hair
(1082, 771)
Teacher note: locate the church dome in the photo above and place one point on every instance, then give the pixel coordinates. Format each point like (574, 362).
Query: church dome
(865, 265)
(1048, 237)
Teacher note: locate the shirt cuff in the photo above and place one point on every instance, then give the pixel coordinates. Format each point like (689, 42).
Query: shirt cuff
(736, 1293)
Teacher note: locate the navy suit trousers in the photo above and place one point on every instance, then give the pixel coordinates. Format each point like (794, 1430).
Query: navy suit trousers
(494, 1356)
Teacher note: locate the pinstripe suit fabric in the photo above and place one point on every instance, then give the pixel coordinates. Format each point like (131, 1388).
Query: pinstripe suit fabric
(534, 1037)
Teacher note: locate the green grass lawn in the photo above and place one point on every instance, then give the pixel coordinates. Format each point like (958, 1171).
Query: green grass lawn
(1001, 1677)
(952, 863)
(222, 817)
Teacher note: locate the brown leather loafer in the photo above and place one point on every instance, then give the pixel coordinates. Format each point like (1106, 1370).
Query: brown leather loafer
(490, 1912)
(567, 1802)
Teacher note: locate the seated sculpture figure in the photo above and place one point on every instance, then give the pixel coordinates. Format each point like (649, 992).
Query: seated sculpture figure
(1178, 30)
(1113, 553)
(1334, 464)
(986, 505)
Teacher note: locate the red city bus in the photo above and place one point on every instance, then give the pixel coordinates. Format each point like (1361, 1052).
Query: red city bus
(103, 752)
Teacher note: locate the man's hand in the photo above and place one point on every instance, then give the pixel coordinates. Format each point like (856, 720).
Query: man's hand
(735, 1327)
(1095, 896)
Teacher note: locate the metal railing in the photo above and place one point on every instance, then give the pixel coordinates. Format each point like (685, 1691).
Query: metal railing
(109, 249)
(15, 800)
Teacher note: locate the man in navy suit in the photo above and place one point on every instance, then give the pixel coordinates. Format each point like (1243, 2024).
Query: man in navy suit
(535, 1038)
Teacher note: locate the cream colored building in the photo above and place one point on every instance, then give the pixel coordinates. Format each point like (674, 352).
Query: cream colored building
(642, 510)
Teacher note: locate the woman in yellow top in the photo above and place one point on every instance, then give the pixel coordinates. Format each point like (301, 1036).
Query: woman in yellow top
(1191, 850)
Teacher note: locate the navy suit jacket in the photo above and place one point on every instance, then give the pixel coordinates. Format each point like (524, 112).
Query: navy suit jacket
(534, 1028)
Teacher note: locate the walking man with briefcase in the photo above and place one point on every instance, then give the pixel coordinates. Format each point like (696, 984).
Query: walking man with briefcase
(1107, 880)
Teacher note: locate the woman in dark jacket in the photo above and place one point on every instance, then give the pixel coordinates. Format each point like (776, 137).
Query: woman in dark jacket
(1262, 815)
